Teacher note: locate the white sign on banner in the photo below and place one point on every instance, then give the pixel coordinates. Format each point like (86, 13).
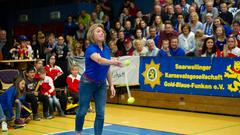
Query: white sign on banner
(118, 73)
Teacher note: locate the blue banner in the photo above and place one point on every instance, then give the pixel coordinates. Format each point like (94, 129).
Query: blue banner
(184, 75)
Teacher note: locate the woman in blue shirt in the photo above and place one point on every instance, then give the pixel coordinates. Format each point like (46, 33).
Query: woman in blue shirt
(93, 80)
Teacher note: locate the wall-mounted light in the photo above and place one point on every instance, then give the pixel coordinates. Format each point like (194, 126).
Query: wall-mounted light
(23, 18)
(54, 15)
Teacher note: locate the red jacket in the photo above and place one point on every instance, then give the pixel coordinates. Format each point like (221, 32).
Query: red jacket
(73, 83)
(53, 71)
(46, 85)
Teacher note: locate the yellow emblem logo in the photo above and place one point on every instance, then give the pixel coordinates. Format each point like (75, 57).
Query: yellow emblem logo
(233, 73)
(152, 74)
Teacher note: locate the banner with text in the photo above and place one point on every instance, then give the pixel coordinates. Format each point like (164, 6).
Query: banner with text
(200, 76)
(118, 73)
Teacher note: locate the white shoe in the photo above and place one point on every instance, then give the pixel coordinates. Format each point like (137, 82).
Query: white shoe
(4, 127)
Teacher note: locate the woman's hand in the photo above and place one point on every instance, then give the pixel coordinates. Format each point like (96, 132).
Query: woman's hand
(116, 62)
(113, 91)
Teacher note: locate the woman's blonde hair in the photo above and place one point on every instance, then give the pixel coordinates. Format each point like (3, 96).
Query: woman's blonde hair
(74, 67)
(90, 33)
(226, 47)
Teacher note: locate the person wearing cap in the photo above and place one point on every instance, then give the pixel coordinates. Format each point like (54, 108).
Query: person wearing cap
(128, 47)
(23, 51)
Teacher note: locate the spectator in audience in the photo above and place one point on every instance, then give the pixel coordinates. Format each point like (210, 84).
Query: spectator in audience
(124, 16)
(58, 76)
(106, 8)
(187, 40)
(169, 14)
(73, 81)
(208, 25)
(138, 36)
(118, 27)
(22, 51)
(219, 22)
(39, 48)
(51, 44)
(225, 14)
(70, 42)
(199, 39)
(164, 51)
(156, 12)
(52, 70)
(128, 31)
(180, 22)
(159, 25)
(81, 32)
(47, 88)
(187, 16)
(153, 35)
(185, 6)
(78, 49)
(113, 36)
(84, 18)
(152, 49)
(94, 18)
(69, 27)
(99, 12)
(236, 30)
(128, 47)
(15, 95)
(137, 23)
(4, 46)
(174, 49)
(32, 95)
(114, 50)
(133, 9)
(34, 39)
(144, 28)
(209, 48)
(37, 64)
(107, 24)
(168, 33)
(194, 22)
(210, 9)
(61, 51)
(202, 8)
(140, 50)
(231, 49)
(220, 38)
(120, 41)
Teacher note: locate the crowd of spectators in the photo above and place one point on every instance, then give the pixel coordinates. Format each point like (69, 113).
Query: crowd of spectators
(191, 22)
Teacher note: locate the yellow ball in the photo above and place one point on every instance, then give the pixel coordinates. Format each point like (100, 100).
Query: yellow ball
(127, 62)
(131, 100)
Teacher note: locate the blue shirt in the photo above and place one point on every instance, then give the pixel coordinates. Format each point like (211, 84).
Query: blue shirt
(178, 52)
(7, 100)
(93, 70)
(220, 44)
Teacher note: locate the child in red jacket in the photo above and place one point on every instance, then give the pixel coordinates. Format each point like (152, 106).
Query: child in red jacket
(73, 81)
(47, 88)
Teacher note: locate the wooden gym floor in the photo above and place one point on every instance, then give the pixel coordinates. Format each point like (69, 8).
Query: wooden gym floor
(140, 117)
